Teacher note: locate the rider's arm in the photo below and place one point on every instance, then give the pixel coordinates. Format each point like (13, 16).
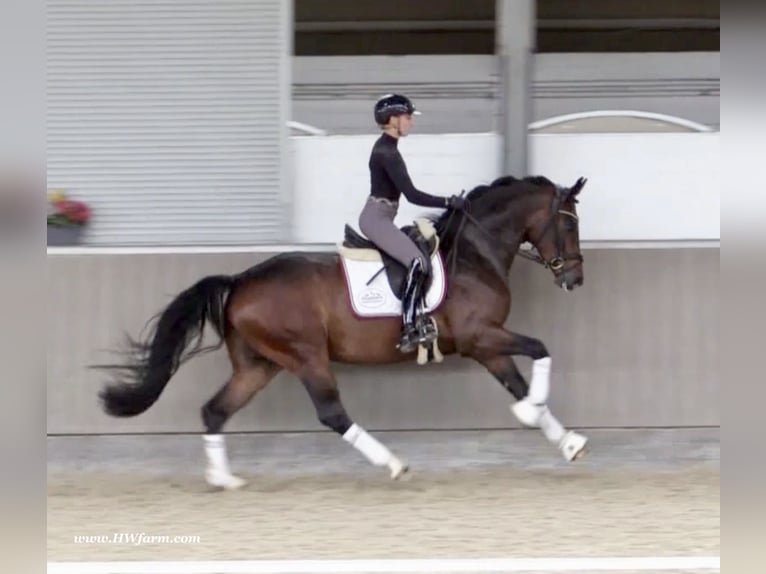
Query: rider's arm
(397, 171)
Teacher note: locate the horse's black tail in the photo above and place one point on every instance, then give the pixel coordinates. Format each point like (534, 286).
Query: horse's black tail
(152, 362)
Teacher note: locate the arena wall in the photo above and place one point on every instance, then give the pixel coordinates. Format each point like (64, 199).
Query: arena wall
(636, 346)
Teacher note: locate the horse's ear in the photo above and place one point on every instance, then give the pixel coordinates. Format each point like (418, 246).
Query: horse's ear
(577, 187)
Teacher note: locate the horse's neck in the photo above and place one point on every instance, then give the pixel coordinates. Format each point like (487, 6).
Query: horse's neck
(494, 244)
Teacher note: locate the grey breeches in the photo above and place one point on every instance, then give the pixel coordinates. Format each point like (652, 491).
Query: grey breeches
(377, 222)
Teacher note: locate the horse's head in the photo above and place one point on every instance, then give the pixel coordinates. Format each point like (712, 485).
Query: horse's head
(554, 231)
(509, 211)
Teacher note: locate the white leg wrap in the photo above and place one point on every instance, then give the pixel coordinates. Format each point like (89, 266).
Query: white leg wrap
(218, 472)
(376, 452)
(215, 448)
(527, 413)
(573, 445)
(368, 445)
(540, 386)
(551, 427)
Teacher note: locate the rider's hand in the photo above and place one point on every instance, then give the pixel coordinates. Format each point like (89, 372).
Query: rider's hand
(456, 202)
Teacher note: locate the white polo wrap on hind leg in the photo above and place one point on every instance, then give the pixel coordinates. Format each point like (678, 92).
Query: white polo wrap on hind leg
(215, 448)
(540, 386)
(373, 450)
(217, 472)
(368, 445)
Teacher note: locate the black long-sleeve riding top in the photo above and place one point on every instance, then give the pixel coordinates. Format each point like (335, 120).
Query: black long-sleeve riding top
(389, 177)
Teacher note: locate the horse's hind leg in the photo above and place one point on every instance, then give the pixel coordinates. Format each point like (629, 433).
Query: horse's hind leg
(251, 374)
(323, 390)
(493, 350)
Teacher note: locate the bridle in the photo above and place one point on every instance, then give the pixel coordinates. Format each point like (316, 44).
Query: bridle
(555, 263)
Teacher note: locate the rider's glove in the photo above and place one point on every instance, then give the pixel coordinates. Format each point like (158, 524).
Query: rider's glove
(456, 202)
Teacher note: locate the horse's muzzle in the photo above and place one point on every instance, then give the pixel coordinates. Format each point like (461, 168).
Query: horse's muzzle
(570, 279)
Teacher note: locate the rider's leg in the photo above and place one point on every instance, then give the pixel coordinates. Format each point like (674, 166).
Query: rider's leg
(377, 223)
(418, 329)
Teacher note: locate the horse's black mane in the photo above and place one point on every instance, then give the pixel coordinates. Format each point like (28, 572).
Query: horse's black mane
(481, 190)
(482, 199)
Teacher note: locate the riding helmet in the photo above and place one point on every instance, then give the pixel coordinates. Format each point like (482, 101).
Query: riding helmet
(393, 105)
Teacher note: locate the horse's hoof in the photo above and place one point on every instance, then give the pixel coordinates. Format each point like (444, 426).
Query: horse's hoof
(403, 475)
(581, 454)
(574, 446)
(225, 481)
(399, 470)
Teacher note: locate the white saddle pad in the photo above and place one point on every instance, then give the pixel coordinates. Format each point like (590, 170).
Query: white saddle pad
(377, 299)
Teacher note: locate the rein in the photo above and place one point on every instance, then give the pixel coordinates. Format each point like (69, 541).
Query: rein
(555, 263)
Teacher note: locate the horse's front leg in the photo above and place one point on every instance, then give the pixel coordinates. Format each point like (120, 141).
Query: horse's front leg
(493, 349)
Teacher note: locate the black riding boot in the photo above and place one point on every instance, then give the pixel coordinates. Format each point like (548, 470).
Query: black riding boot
(414, 331)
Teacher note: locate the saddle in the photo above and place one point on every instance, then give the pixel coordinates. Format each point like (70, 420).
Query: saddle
(422, 233)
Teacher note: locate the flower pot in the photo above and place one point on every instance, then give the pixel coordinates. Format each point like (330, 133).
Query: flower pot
(64, 234)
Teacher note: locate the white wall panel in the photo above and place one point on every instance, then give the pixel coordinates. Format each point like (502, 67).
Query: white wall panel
(641, 187)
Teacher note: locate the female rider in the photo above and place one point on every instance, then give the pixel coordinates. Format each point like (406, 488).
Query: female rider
(389, 180)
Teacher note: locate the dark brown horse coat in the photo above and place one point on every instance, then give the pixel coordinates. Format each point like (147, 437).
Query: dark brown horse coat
(292, 311)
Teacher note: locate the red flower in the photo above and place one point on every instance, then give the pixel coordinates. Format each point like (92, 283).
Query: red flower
(75, 211)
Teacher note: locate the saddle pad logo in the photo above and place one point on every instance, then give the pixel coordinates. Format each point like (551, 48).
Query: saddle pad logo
(370, 293)
(372, 298)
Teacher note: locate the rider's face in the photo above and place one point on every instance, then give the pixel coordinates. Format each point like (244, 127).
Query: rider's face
(403, 123)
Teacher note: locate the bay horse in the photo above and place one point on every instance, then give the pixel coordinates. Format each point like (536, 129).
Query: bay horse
(292, 312)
